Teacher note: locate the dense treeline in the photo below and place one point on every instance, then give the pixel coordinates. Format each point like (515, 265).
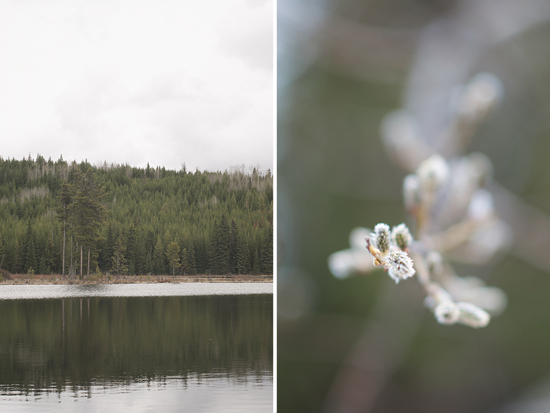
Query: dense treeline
(79, 219)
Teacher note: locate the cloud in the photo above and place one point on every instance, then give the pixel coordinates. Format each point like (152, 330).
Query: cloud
(160, 82)
(247, 33)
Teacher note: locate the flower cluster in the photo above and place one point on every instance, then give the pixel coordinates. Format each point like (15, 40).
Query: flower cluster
(452, 215)
(390, 250)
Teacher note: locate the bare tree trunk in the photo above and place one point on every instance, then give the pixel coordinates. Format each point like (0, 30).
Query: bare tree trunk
(63, 271)
(81, 256)
(72, 263)
(87, 275)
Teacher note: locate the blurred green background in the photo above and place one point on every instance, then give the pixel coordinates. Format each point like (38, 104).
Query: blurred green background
(364, 344)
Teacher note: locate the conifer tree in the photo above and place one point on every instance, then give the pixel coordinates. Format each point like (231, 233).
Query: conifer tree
(172, 253)
(42, 267)
(65, 198)
(119, 259)
(158, 257)
(87, 213)
(108, 247)
(220, 257)
(30, 258)
(49, 256)
(191, 261)
(25, 247)
(131, 250)
(243, 256)
(233, 247)
(17, 261)
(184, 260)
(266, 264)
(2, 252)
(256, 265)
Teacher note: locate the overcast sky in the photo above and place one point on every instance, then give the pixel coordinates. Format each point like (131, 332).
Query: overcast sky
(158, 81)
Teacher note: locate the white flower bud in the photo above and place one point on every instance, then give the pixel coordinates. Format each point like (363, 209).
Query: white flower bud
(401, 133)
(344, 263)
(434, 261)
(481, 205)
(479, 96)
(482, 167)
(357, 238)
(447, 312)
(433, 173)
(436, 295)
(381, 238)
(401, 237)
(411, 192)
(472, 315)
(399, 265)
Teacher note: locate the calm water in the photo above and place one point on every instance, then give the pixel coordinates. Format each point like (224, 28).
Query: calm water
(149, 347)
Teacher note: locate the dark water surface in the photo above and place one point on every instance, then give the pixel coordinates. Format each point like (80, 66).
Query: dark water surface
(197, 353)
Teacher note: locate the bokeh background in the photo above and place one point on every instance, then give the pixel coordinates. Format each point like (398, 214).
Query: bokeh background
(364, 344)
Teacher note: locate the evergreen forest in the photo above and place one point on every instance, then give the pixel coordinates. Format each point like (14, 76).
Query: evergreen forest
(75, 219)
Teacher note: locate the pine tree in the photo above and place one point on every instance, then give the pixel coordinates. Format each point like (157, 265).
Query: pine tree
(220, 257)
(119, 256)
(172, 253)
(25, 248)
(158, 258)
(42, 267)
(243, 256)
(131, 250)
(191, 261)
(108, 249)
(49, 256)
(233, 247)
(2, 252)
(87, 213)
(256, 265)
(17, 265)
(65, 198)
(266, 263)
(184, 260)
(201, 257)
(30, 257)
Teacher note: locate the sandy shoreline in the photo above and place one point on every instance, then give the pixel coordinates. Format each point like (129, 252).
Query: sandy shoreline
(18, 279)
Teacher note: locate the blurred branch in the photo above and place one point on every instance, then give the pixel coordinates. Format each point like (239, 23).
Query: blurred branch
(531, 227)
(377, 353)
(363, 51)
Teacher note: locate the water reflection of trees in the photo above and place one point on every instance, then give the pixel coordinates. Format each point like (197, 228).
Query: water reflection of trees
(52, 345)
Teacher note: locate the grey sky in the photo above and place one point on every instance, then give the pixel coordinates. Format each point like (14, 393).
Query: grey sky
(164, 82)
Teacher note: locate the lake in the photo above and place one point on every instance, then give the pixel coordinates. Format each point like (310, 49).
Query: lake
(198, 347)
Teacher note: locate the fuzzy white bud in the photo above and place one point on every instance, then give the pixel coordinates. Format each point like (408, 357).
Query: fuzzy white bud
(401, 133)
(433, 173)
(401, 236)
(479, 96)
(411, 192)
(357, 238)
(434, 261)
(344, 263)
(481, 205)
(381, 238)
(473, 316)
(436, 295)
(447, 312)
(399, 265)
